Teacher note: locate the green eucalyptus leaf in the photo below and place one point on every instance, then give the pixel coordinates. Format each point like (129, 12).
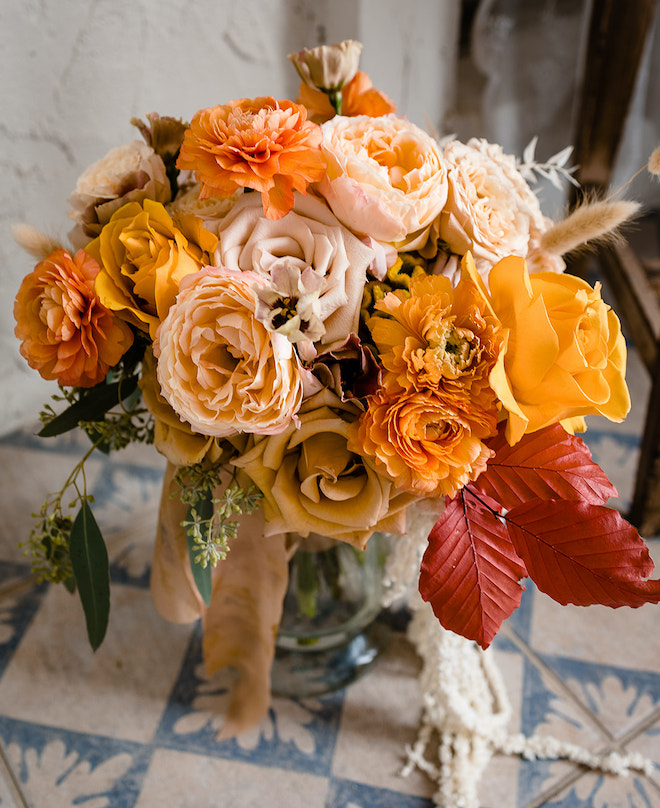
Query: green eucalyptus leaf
(91, 407)
(89, 559)
(201, 575)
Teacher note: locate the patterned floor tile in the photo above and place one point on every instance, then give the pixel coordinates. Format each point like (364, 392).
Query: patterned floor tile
(194, 781)
(54, 768)
(54, 678)
(380, 717)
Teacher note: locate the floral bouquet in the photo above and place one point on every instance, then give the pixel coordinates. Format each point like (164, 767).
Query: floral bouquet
(324, 316)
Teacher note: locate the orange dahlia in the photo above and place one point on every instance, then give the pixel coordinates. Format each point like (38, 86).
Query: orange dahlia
(259, 143)
(65, 331)
(440, 338)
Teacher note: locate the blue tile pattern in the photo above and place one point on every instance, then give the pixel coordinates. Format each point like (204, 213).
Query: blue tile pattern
(66, 741)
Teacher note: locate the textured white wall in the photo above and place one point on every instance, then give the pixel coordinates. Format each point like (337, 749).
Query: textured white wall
(73, 72)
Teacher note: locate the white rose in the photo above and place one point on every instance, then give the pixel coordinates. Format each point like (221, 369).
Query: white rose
(490, 211)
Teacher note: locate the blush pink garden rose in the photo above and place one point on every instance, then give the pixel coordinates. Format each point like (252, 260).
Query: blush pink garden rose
(491, 212)
(218, 367)
(386, 177)
(308, 241)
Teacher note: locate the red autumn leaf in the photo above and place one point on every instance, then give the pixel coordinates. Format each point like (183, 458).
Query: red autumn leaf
(548, 464)
(583, 554)
(470, 573)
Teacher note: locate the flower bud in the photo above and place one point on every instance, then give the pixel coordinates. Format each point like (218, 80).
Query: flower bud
(328, 67)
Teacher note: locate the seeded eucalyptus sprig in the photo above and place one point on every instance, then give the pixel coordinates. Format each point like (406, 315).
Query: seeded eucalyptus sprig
(209, 525)
(66, 544)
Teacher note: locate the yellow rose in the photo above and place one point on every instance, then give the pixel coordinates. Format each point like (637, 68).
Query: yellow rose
(144, 254)
(312, 482)
(565, 356)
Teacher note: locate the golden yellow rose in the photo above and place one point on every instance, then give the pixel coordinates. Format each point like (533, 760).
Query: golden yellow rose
(564, 356)
(144, 254)
(312, 481)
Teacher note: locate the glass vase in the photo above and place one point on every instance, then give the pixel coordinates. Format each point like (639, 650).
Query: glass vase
(329, 634)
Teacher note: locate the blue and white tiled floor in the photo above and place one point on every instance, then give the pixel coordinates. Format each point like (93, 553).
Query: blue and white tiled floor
(136, 725)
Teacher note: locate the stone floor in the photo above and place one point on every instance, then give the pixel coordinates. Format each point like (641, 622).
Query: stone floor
(136, 724)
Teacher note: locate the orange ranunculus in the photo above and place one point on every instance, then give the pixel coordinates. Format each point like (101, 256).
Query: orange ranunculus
(144, 254)
(440, 338)
(66, 333)
(564, 356)
(260, 143)
(359, 97)
(422, 441)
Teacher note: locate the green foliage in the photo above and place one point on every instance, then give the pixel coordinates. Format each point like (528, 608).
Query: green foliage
(209, 525)
(89, 560)
(48, 548)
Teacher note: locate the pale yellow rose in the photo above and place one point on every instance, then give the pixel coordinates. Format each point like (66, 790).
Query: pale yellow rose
(313, 483)
(564, 357)
(127, 173)
(144, 253)
(308, 237)
(490, 211)
(219, 368)
(386, 177)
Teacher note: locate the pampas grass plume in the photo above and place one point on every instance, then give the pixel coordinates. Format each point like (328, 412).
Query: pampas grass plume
(591, 222)
(654, 162)
(38, 244)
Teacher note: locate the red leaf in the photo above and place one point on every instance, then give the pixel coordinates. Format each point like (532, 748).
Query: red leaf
(583, 554)
(548, 464)
(470, 573)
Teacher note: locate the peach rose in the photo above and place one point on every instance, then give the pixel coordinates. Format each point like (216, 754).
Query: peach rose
(422, 441)
(173, 437)
(144, 254)
(386, 178)
(219, 368)
(262, 143)
(66, 333)
(564, 354)
(490, 211)
(127, 173)
(310, 239)
(312, 481)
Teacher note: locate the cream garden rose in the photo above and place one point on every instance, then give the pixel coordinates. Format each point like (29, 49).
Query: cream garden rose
(490, 211)
(128, 173)
(219, 368)
(312, 482)
(309, 238)
(386, 177)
